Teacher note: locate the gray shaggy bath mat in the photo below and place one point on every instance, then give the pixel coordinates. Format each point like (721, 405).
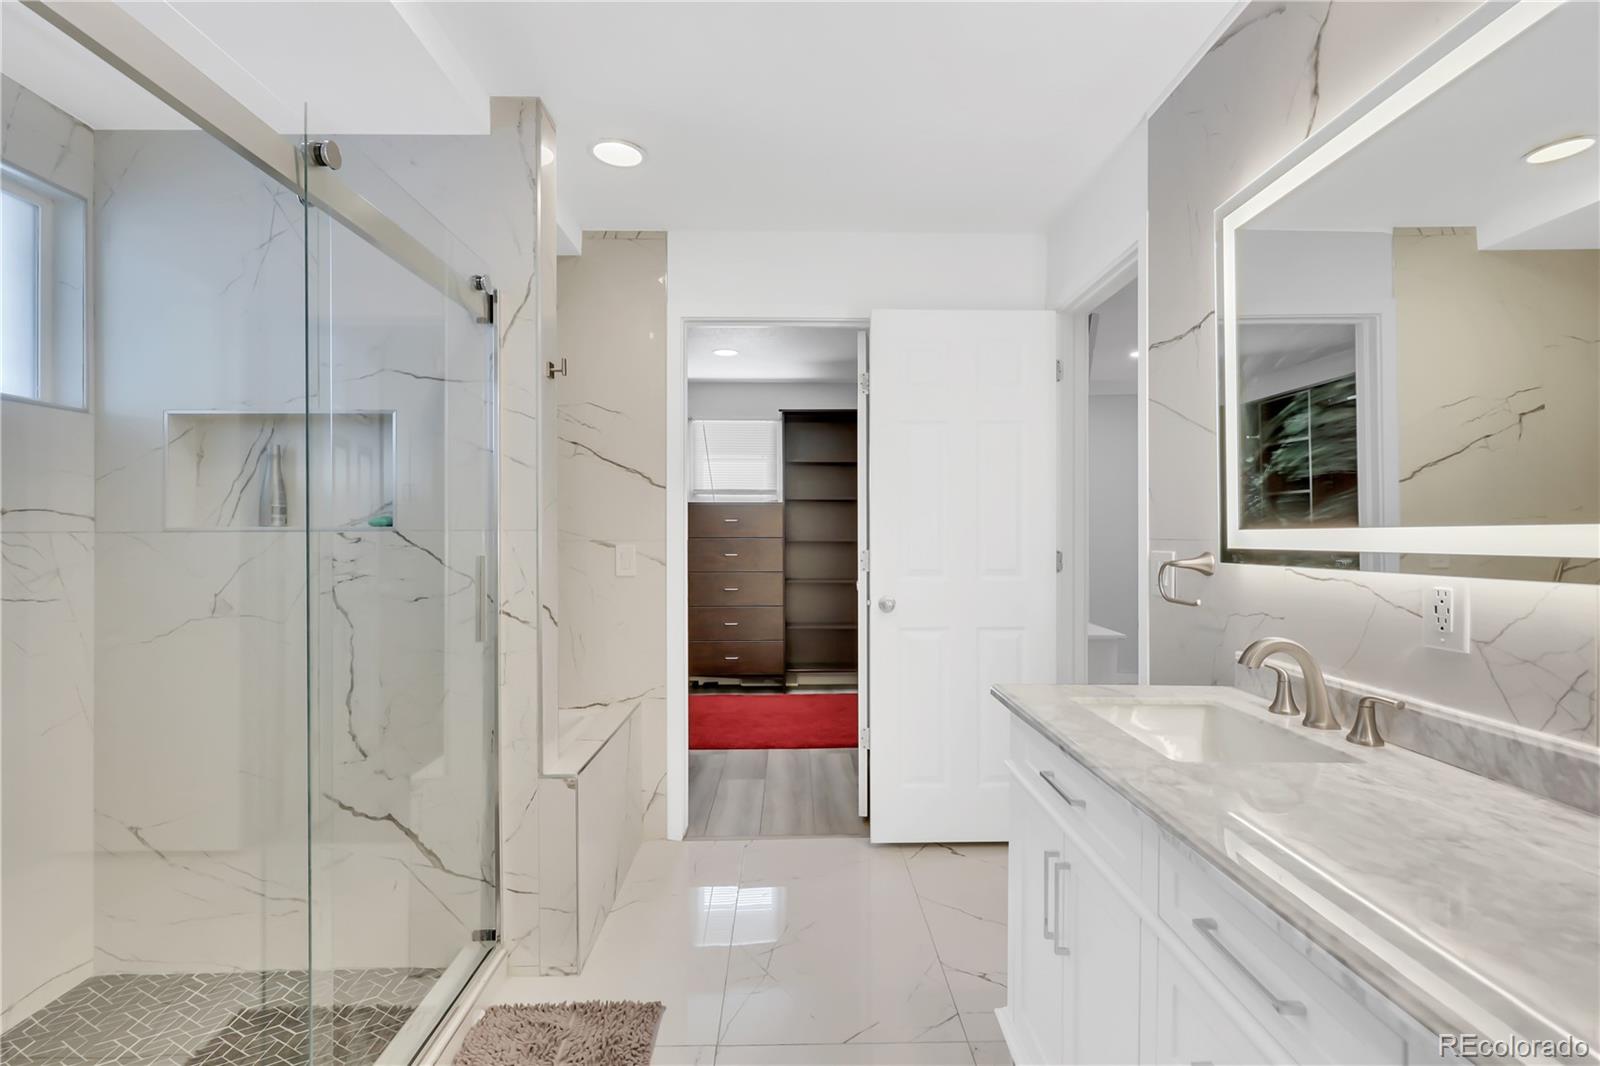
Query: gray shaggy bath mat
(563, 1034)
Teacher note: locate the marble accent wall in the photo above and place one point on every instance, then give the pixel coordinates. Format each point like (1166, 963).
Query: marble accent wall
(611, 410)
(1277, 75)
(47, 575)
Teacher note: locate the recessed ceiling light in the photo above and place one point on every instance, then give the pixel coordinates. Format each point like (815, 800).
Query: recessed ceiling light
(618, 153)
(1134, 354)
(726, 353)
(1565, 147)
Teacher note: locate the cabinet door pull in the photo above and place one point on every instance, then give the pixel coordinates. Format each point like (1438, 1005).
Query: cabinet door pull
(1288, 1007)
(1049, 857)
(731, 521)
(726, 589)
(730, 658)
(1061, 894)
(1050, 779)
(730, 555)
(730, 624)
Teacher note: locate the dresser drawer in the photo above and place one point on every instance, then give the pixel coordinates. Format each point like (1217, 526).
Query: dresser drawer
(733, 658)
(1301, 1007)
(736, 520)
(717, 554)
(735, 590)
(1108, 822)
(736, 623)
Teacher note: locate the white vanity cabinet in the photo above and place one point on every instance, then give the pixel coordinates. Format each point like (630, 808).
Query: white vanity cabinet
(1075, 953)
(1124, 948)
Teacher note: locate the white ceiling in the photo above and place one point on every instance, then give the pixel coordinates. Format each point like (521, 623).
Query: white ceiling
(1456, 159)
(875, 116)
(830, 116)
(772, 353)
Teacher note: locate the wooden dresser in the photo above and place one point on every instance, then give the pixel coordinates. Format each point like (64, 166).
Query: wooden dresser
(736, 590)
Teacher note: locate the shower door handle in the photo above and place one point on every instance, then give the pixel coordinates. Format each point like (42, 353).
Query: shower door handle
(481, 622)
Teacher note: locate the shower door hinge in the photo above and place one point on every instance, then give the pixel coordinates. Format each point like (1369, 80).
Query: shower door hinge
(864, 738)
(485, 935)
(866, 384)
(1058, 562)
(1058, 370)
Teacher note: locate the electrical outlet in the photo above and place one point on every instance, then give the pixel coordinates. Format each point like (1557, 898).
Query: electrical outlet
(627, 560)
(1444, 618)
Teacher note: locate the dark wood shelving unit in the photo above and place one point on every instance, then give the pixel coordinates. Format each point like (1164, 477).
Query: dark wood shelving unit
(819, 559)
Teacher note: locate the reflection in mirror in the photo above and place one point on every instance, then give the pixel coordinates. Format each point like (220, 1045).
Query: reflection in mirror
(1416, 334)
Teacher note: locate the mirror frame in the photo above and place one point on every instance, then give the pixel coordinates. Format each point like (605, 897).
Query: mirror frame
(1476, 37)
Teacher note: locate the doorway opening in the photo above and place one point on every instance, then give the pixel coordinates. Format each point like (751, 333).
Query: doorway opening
(1111, 491)
(775, 490)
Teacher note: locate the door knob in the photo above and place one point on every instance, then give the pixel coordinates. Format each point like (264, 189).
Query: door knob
(886, 604)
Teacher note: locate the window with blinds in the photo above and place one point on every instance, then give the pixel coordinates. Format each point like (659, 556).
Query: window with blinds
(735, 460)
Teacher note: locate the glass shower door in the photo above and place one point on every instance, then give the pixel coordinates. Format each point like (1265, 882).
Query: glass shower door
(403, 853)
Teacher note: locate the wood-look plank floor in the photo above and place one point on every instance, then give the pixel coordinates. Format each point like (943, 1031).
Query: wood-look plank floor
(782, 792)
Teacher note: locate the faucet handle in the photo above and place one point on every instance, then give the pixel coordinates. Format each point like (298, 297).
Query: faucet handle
(1283, 696)
(1364, 730)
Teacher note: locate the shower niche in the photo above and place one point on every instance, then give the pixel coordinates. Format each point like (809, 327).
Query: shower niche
(219, 469)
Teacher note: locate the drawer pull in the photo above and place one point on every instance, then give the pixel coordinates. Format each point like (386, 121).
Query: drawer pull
(1049, 857)
(1061, 892)
(731, 521)
(730, 555)
(730, 624)
(730, 658)
(1050, 779)
(1288, 1007)
(725, 589)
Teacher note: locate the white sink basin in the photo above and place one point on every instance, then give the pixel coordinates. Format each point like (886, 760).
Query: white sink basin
(1199, 730)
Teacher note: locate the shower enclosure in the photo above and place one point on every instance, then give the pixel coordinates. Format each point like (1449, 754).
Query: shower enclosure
(247, 800)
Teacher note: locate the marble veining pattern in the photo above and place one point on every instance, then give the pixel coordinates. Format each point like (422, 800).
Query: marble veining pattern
(1452, 858)
(1279, 73)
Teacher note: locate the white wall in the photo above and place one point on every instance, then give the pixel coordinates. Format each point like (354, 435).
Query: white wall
(1102, 221)
(766, 399)
(829, 276)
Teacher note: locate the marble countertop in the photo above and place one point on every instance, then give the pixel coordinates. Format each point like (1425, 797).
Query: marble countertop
(1465, 902)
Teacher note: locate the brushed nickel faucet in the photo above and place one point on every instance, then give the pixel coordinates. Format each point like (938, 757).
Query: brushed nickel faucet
(1319, 709)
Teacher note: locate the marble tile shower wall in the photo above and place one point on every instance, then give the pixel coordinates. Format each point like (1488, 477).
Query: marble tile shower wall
(47, 579)
(1276, 76)
(611, 410)
(487, 191)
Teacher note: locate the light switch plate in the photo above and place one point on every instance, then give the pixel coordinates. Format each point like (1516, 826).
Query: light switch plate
(627, 560)
(1156, 559)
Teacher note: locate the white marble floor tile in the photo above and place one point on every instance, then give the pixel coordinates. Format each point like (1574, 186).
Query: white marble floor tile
(666, 939)
(804, 951)
(829, 946)
(962, 890)
(924, 1054)
(991, 1053)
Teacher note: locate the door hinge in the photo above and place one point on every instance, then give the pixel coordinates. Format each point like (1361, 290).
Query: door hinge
(1058, 562)
(866, 560)
(1058, 370)
(866, 383)
(864, 739)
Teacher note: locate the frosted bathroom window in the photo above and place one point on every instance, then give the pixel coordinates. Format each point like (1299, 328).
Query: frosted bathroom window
(735, 460)
(19, 285)
(44, 256)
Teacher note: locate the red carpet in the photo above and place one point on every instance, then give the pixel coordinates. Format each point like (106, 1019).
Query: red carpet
(802, 720)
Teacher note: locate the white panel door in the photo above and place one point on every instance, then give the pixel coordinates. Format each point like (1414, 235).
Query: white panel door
(962, 534)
